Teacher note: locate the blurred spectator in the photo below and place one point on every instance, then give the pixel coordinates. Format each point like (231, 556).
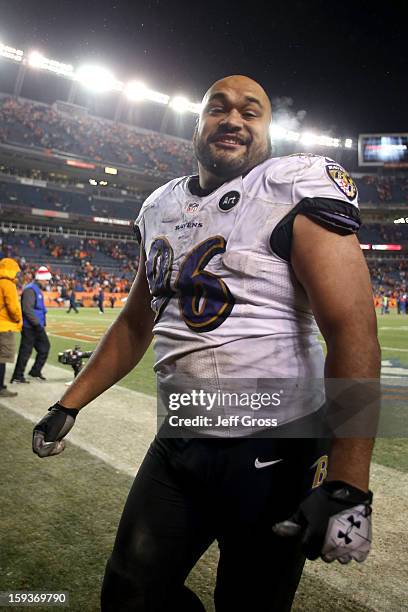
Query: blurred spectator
(382, 190)
(11, 318)
(89, 263)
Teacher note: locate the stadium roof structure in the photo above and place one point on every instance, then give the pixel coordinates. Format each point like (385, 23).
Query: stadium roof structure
(99, 80)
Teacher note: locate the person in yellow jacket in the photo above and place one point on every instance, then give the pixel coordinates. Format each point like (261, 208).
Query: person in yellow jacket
(11, 318)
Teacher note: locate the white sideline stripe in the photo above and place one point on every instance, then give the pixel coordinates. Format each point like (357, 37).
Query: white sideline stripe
(95, 452)
(390, 348)
(121, 388)
(391, 486)
(137, 393)
(392, 472)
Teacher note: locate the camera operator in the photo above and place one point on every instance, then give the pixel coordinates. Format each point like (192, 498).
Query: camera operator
(74, 358)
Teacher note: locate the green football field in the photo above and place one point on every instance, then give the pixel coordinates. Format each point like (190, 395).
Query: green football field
(59, 516)
(85, 328)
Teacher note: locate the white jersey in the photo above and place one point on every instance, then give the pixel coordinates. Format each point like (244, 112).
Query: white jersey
(228, 305)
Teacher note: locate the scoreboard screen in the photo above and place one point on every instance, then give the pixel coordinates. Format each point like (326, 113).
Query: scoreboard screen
(383, 150)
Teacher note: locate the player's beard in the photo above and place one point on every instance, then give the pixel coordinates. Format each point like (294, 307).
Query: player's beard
(226, 167)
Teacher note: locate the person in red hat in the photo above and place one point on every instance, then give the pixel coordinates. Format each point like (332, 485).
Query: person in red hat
(33, 334)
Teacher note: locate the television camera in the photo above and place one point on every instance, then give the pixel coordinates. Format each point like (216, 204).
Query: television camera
(74, 358)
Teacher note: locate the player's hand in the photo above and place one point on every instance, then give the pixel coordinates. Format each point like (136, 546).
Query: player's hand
(48, 434)
(335, 523)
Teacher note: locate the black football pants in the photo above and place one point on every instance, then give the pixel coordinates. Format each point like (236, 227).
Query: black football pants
(32, 338)
(190, 492)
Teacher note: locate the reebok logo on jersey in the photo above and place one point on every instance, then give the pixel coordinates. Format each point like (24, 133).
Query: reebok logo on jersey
(229, 200)
(262, 464)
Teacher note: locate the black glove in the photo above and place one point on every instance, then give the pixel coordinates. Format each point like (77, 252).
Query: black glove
(335, 522)
(48, 433)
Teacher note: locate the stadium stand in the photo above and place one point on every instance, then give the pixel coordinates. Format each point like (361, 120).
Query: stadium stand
(89, 263)
(67, 210)
(33, 124)
(382, 190)
(389, 278)
(379, 233)
(65, 200)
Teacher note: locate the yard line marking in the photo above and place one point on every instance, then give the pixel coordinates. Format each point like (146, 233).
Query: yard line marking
(71, 338)
(389, 348)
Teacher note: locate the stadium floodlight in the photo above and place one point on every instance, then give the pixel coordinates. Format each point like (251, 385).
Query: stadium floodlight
(277, 132)
(135, 91)
(181, 105)
(325, 141)
(11, 53)
(36, 59)
(290, 135)
(59, 68)
(328, 141)
(308, 139)
(97, 79)
(156, 96)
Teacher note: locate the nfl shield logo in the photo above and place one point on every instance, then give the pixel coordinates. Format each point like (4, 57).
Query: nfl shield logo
(192, 207)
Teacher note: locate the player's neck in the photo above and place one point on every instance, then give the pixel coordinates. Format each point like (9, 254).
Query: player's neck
(208, 181)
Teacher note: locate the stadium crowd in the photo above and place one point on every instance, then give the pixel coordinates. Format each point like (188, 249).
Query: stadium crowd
(33, 124)
(63, 180)
(72, 262)
(379, 190)
(389, 279)
(91, 263)
(383, 233)
(70, 201)
(86, 265)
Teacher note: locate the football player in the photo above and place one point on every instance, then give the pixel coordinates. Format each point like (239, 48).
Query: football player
(237, 265)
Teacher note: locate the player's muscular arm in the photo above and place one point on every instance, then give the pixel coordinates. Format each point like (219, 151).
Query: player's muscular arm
(119, 350)
(333, 272)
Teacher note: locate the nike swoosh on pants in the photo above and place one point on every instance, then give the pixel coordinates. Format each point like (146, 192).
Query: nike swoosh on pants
(262, 464)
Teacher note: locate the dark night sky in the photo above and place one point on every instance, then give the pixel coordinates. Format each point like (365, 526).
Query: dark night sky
(345, 63)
